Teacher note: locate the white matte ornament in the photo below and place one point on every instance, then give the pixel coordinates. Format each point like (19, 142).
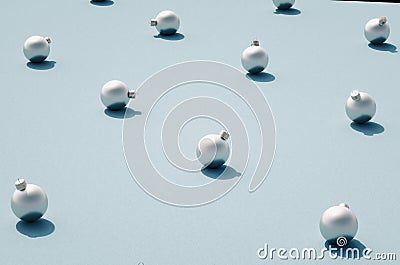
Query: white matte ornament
(37, 48)
(283, 4)
(360, 107)
(338, 222)
(166, 22)
(213, 150)
(377, 30)
(29, 202)
(115, 95)
(254, 58)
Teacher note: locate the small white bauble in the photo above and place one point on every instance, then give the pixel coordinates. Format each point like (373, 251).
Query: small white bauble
(36, 48)
(29, 202)
(377, 30)
(213, 150)
(166, 22)
(254, 58)
(115, 95)
(283, 4)
(360, 107)
(338, 225)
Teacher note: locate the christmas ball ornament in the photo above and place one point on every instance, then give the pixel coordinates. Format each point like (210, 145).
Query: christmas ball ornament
(283, 4)
(338, 225)
(213, 150)
(360, 107)
(29, 202)
(166, 22)
(36, 48)
(254, 58)
(377, 30)
(115, 95)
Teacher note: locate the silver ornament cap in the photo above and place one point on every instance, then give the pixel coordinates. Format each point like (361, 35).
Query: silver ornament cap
(20, 184)
(355, 95)
(224, 135)
(382, 21)
(255, 43)
(131, 94)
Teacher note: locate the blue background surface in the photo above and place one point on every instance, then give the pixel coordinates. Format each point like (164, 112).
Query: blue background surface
(55, 133)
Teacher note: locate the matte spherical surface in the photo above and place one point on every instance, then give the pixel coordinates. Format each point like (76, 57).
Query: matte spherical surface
(212, 151)
(36, 49)
(338, 221)
(254, 59)
(360, 107)
(114, 95)
(167, 22)
(377, 30)
(29, 204)
(283, 4)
